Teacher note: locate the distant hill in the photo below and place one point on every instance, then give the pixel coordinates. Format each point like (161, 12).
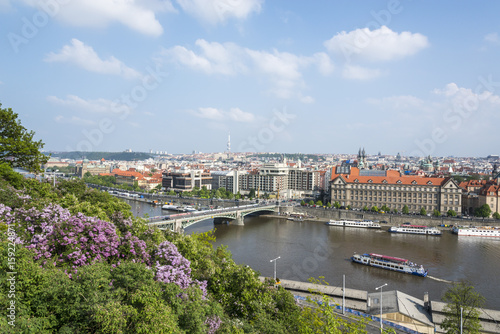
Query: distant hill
(124, 156)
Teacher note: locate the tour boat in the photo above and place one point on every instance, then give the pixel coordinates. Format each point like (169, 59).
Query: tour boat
(390, 263)
(352, 223)
(415, 229)
(169, 207)
(479, 231)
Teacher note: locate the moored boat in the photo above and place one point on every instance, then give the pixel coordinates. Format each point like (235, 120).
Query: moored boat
(415, 229)
(390, 263)
(477, 231)
(353, 223)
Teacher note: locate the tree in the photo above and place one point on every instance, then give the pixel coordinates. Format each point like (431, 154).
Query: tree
(496, 215)
(18, 149)
(406, 210)
(395, 210)
(374, 208)
(302, 203)
(451, 213)
(336, 205)
(319, 203)
(311, 202)
(423, 212)
(365, 208)
(436, 213)
(461, 298)
(385, 208)
(328, 205)
(483, 211)
(251, 194)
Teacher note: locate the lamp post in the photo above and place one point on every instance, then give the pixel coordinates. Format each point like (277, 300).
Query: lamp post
(274, 260)
(381, 324)
(54, 176)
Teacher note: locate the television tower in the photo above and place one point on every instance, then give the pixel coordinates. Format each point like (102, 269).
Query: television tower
(229, 144)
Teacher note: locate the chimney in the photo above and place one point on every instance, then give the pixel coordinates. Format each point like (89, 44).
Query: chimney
(426, 300)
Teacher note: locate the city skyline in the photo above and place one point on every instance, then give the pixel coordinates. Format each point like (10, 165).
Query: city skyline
(392, 76)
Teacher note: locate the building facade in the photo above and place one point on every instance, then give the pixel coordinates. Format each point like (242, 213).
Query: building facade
(359, 188)
(187, 180)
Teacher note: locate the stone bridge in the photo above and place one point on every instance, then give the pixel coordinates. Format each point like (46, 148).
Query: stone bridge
(178, 222)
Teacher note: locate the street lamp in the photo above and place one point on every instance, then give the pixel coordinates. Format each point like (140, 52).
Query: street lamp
(381, 324)
(54, 176)
(274, 260)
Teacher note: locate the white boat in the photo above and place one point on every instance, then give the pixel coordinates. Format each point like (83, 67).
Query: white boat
(353, 223)
(390, 263)
(477, 231)
(170, 207)
(415, 229)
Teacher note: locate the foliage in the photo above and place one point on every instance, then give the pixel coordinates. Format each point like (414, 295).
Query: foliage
(251, 194)
(329, 205)
(395, 210)
(336, 205)
(385, 208)
(483, 211)
(423, 212)
(405, 209)
(436, 213)
(451, 213)
(374, 208)
(311, 202)
(496, 215)
(302, 202)
(18, 147)
(365, 208)
(319, 203)
(462, 296)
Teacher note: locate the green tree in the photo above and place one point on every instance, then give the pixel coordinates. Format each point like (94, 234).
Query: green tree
(451, 213)
(348, 207)
(18, 149)
(374, 208)
(329, 205)
(385, 208)
(406, 210)
(251, 193)
(483, 211)
(436, 213)
(462, 298)
(319, 203)
(336, 205)
(302, 203)
(311, 202)
(496, 215)
(423, 212)
(365, 208)
(395, 210)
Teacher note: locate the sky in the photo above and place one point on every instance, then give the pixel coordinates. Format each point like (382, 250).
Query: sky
(415, 77)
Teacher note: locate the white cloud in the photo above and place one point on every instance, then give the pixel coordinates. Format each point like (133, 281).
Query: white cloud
(465, 98)
(492, 38)
(95, 106)
(214, 114)
(354, 72)
(381, 44)
(400, 103)
(282, 69)
(85, 57)
(134, 14)
(219, 11)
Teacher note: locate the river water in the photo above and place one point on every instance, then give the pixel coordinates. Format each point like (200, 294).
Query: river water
(313, 249)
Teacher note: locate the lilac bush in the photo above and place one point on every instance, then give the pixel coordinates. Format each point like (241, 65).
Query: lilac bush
(213, 323)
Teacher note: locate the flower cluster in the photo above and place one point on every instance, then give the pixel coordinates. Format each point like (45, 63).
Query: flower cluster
(213, 323)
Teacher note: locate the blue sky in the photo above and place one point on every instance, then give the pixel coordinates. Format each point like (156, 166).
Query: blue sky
(415, 77)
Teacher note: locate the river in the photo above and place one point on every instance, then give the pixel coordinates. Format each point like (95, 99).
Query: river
(313, 249)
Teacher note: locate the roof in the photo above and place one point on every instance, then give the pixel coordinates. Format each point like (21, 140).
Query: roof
(392, 177)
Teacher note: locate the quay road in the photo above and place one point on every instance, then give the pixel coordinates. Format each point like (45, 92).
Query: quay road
(179, 221)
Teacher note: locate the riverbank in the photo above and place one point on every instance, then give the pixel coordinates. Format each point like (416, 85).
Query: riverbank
(400, 311)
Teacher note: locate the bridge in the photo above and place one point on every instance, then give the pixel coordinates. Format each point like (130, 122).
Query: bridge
(178, 222)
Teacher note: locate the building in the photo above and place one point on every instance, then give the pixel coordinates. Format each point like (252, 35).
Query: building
(230, 180)
(187, 180)
(130, 178)
(357, 188)
(94, 169)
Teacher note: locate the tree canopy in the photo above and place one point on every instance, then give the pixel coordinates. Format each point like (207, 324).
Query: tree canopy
(18, 149)
(463, 302)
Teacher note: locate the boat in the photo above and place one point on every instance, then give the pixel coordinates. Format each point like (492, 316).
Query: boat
(170, 207)
(296, 219)
(477, 231)
(390, 263)
(415, 229)
(353, 223)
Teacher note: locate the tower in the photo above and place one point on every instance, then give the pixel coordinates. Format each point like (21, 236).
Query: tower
(229, 143)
